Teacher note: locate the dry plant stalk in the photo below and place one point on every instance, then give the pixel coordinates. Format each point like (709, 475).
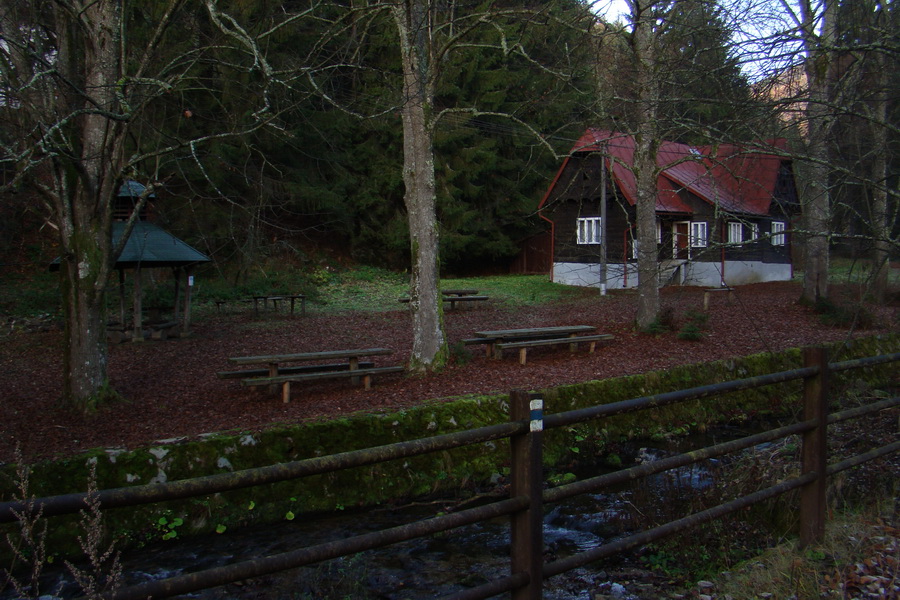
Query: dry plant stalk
(103, 576)
(30, 548)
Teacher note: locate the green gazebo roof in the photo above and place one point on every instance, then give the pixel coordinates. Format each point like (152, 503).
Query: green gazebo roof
(150, 246)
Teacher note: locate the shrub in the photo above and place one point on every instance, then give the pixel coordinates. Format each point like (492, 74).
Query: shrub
(834, 314)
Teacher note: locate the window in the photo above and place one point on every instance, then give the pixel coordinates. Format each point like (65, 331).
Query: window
(698, 234)
(754, 231)
(735, 232)
(778, 233)
(658, 232)
(589, 230)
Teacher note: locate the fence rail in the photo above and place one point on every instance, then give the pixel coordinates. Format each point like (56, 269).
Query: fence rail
(527, 496)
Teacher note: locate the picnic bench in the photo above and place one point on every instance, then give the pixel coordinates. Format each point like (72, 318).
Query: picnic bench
(522, 339)
(460, 295)
(292, 298)
(277, 373)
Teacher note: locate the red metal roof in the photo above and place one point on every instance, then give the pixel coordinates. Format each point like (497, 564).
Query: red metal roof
(739, 179)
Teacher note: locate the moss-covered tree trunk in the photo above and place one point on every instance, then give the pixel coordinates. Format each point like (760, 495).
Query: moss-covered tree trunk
(429, 348)
(84, 308)
(84, 186)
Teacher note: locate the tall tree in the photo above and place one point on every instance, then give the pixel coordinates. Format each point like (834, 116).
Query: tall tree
(430, 36)
(418, 52)
(77, 77)
(677, 78)
(816, 24)
(647, 23)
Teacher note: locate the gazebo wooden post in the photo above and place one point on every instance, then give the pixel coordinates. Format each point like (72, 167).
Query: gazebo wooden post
(188, 281)
(137, 334)
(122, 298)
(176, 308)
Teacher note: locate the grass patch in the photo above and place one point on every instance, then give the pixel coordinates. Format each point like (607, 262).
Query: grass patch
(376, 290)
(858, 551)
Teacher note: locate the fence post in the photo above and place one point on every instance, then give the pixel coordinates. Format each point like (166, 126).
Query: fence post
(814, 456)
(526, 478)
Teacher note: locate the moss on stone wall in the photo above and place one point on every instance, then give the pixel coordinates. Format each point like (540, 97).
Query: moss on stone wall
(441, 472)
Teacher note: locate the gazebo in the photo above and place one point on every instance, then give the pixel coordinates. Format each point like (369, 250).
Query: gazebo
(150, 247)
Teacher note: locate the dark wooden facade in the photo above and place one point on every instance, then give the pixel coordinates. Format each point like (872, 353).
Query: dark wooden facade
(577, 191)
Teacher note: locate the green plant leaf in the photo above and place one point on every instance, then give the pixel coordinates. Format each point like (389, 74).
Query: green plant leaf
(220, 528)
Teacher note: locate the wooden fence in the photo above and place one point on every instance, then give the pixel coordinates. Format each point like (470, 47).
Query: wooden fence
(525, 505)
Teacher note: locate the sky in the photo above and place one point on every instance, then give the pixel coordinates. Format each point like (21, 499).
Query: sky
(611, 10)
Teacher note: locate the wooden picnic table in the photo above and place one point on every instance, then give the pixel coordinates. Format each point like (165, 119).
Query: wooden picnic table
(458, 295)
(534, 336)
(278, 375)
(275, 299)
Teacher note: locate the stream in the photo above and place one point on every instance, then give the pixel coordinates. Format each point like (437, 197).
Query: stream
(420, 569)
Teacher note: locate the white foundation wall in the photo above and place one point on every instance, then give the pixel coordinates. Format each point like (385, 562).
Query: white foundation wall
(736, 273)
(588, 275)
(704, 274)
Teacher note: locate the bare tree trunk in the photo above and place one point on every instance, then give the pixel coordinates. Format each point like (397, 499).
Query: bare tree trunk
(89, 52)
(645, 170)
(817, 198)
(881, 232)
(429, 350)
(85, 351)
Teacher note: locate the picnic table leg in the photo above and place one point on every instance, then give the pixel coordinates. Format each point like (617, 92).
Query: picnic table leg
(593, 345)
(573, 347)
(354, 365)
(367, 382)
(273, 372)
(523, 353)
(496, 350)
(286, 392)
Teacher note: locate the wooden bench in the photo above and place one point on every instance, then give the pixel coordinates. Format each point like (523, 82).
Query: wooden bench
(286, 380)
(277, 373)
(291, 370)
(505, 336)
(454, 299)
(524, 345)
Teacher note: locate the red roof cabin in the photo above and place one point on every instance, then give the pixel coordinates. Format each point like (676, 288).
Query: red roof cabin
(723, 213)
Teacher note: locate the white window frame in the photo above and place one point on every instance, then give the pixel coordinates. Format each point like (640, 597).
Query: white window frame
(754, 232)
(735, 232)
(699, 234)
(658, 232)
(588, 230)
(778, 233)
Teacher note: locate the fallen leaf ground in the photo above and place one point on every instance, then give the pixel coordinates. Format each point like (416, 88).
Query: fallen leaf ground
(171, 389)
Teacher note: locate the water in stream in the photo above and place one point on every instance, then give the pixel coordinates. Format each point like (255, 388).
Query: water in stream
(425, 568)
